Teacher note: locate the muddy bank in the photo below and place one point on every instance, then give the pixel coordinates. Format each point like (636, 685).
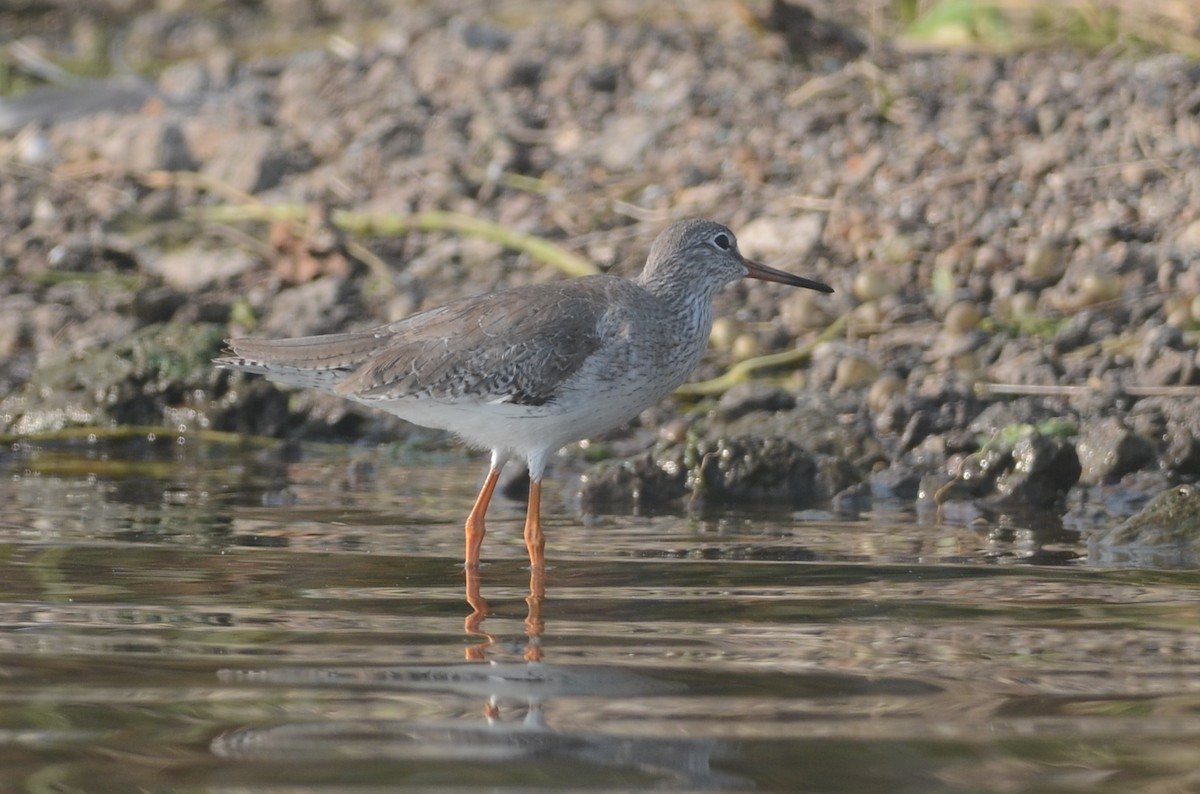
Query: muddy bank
(1014, 240)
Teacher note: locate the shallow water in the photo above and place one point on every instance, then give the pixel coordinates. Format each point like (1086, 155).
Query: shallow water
(201, 617)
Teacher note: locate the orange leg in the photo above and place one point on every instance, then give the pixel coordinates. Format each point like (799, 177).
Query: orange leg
(535, 541)
(475, 527)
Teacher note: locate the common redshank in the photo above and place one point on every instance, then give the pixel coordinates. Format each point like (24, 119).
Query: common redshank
(526, 371)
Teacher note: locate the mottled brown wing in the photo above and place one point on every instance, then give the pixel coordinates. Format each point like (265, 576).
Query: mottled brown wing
(515, 346)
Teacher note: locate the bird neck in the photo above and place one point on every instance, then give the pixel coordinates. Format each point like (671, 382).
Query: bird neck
(671, 283)
(683, 311)
(687, 317)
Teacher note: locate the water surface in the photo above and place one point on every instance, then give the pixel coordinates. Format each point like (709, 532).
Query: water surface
(201, 617)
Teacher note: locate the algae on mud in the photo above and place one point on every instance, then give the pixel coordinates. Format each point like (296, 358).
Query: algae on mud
(147, 378)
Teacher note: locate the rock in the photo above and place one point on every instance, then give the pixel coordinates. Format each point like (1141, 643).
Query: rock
(811, 38)
(625, 141)
(1177, 423)
(185, 81)
(720, 471)
(1030, 367)
(247, 160)
(898, 481)
(748, 470)
(1076, 333)
(771, 238)
(484, 36)
(887, 389)
(813, 425)
(192, 268)
(1187, 241)
(318, 307)
(640, 484)
(1044, 261)
(158, 304)
(1109, 450)
(1043, 470)
(13, 323)
(854, 371)
(1165, 533)
(134, 144)
(1164, 359)
(962, 317)
(916, 430)
(872, 285)
(803, 310)
(750, 397)
(136, 380)
(1169, 368)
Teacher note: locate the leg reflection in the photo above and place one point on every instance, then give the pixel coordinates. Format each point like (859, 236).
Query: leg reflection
(480, 610)
(474, 622)
(534, 626)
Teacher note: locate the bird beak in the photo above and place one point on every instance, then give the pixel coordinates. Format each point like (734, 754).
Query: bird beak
(764, 273)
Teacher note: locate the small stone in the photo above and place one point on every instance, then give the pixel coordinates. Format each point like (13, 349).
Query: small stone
(484, 36)
(1048, 119)
(136, 143)
(966, 363)
(1094, 289)
(625, 140)
(640, 483)
(745, 346)
(1076, 333)
(1187, 242)
(251, 161)
(883, 390)
(747, 398)
(854, 371)
(871, 286)
(1165, 532)
(752, 470)
(184, 81)
(803, 310)
(1023, 306)
(1043, 470)
(771, 238)
(962, 317)
(1108, 450)
(898, 249)
(190, 269)
(724, 333)
(316, 307)
(1178, 311)
(1044, 261)
(12, 328)
(989, 259)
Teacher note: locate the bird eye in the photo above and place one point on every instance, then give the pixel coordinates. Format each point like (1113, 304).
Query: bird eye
(723, 242)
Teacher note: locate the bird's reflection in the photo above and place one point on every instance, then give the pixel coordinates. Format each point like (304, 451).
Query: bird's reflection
(480, 609)
(524, 741)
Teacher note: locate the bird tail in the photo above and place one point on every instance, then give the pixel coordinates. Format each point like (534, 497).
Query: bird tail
(320, 362)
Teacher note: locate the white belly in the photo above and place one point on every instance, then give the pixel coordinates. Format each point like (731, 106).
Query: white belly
(530, 432)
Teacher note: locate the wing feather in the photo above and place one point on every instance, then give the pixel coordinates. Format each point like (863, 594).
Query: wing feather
(515, 346)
